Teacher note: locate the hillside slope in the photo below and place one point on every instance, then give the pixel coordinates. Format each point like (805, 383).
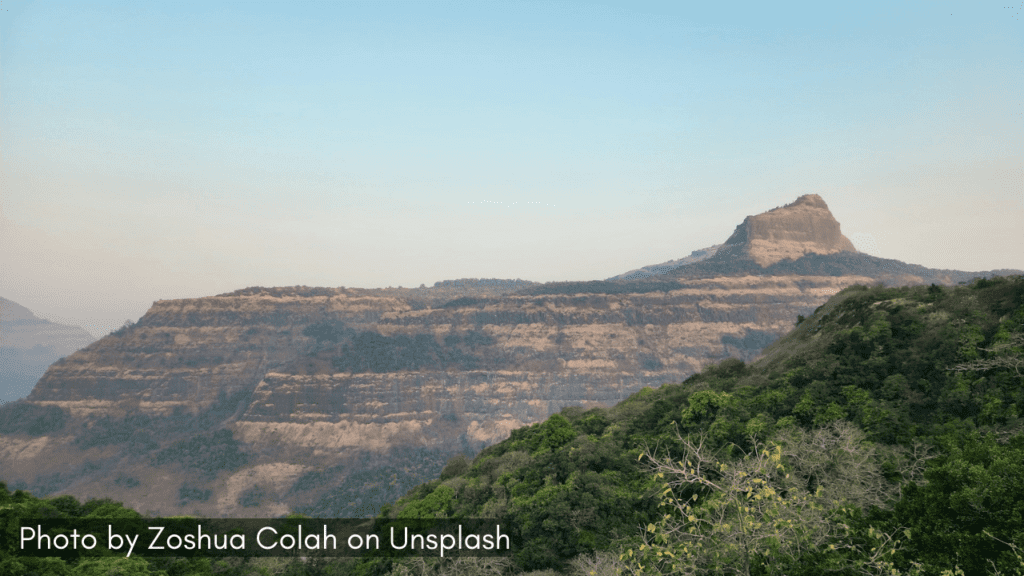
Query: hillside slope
(883, 435)
(334, 401)
(910, 368)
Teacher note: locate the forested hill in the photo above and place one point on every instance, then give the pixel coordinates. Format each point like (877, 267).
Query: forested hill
(891, 409)
(883, 435)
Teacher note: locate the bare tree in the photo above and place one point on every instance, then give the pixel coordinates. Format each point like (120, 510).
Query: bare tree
(1013, 360)
(752, 509)
(453, 566)
(769, 507)
(601, 563)
(836, 462)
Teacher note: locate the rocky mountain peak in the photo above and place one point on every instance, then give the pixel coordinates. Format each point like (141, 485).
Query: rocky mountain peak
(805, 226)
(812, 200)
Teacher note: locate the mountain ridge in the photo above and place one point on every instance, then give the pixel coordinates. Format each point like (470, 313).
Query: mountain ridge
(882, 434)
(889, 382)
(307, 390)
(29, 345)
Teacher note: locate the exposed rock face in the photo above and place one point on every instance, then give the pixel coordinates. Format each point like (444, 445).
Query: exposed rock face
(804, 227)
(334, 401)
(28, 345)
(315, 380)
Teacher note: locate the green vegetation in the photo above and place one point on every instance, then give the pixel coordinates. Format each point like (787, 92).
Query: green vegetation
(328, 331)
(19, 506)
(188, 493)
(364, 492)
(31, 419)
(132, 430)
(893, 411)
(884, 435)
(372, 352)
(206, 454)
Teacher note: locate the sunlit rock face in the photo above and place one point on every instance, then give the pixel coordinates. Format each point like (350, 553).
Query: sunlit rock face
(322, 383)
(335, 401)
(804, 227)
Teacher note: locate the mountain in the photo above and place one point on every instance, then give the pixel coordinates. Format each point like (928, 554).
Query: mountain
(28, 345)
(336, 401)
(787, 233)
(664, 267)
(799, 239)
(882, 435)
(883, 432)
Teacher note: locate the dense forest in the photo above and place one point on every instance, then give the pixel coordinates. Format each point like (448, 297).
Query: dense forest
(883, 435)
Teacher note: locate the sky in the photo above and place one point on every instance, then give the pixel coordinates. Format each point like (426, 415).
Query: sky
(160, 150)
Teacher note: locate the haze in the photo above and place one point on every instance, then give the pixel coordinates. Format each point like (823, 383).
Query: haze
(176, 149)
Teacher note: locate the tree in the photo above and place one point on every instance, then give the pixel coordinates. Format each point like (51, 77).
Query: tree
(1005, 354)
(736, 515)
(836, 462)
(452, 566)
(780, 501)
(115, 566)
(974, 499)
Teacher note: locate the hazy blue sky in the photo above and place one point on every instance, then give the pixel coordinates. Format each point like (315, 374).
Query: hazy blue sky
(156, 150)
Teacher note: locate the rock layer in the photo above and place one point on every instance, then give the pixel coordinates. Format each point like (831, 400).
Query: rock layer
(790, 232)
(251, 359)
(335, 401)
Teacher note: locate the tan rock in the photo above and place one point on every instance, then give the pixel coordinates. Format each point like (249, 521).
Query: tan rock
(340, 395)
(804, 227)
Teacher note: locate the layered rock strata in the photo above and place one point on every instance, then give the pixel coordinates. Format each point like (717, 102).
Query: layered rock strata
(334, 401)
(307, 380)
(789, 232)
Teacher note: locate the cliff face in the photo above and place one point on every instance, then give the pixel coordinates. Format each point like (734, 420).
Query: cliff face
(469, 374)
(308, 382)
(184, 353)
(28, 345)
(804, 227)
(334, 401)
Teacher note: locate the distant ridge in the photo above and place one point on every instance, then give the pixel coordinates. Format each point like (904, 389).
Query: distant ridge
(28, 345)
(334, 401)
(800, 238)
(790, 232)
(887, 271)
(438, 294)
(664, 267)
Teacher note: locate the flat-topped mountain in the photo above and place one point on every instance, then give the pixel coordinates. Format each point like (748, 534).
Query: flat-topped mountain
(334, 401)
(28, 345)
